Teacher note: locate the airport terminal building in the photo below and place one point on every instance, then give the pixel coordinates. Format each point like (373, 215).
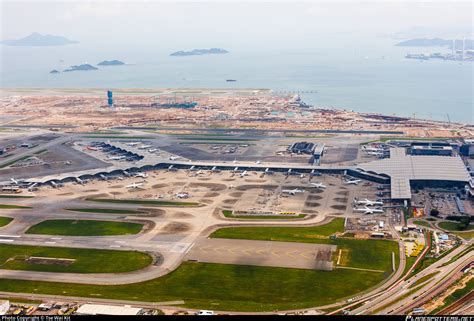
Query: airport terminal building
(407, 171)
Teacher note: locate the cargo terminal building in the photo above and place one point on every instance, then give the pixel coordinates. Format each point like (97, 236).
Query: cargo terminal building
(407, 171)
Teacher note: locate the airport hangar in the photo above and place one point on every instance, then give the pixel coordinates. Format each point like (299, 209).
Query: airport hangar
(407, 171)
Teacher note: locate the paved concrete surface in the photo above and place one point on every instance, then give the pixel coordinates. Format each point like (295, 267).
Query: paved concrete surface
(264, 253)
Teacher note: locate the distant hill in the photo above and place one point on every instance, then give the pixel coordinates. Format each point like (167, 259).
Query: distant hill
(36, 39)
(83, 67)
(111, 63)
(199, 52)
(436, 42)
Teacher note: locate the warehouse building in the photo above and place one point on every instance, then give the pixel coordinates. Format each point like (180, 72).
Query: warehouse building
(406, 171)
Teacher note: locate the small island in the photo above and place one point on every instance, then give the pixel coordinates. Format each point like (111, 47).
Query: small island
(37, 39)
(111, 63)
(54, 71)
(199, 52)
(437, 42)
(83, 67)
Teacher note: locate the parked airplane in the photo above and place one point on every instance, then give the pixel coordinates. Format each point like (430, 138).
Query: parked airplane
(257, 162)
(135, 185)
(214, 169)
(145, 146)
(56, 185)
(116, 157)
(317, 185)
(182, 195)
(79, 181)
(244, 173)
(368, 210)
(152, 150)
(17, 182)
(32, 187)
(315, 173)
(174, 157)
(293, 191)
(352, 181)
(367, 202)
(236, 169)
(140, 174)
(102, 176)
(133, 144)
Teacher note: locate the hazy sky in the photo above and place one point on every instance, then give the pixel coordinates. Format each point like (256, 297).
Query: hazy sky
(218, 23)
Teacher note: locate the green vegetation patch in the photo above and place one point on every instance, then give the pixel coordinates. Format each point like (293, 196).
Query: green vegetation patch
(142, 202)
(365, 254)
(15, 196)
(456, 295)
(5, 220)
(423, 279)
(223, 287)
(422, 223)
(14, 257)
(84, 228)
(11, 206)
(229, 214)
(106, 211)
(454, 226)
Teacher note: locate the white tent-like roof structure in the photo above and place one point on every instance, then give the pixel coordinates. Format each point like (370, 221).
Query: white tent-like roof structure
(404, 168)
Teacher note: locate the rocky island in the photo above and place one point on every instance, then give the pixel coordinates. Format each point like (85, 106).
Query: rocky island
(111, 63)
(199, 52)
(54, 71)
(37, 39)
(83, 67)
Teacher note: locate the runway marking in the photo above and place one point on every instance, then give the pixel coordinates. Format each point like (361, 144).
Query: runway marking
(246, 251)
(261, 252)
(290, 253)
(6, 240)
(115, 246)
(49, 242)
(309, 257)
(56, 238)
(15, 236)
(274, 253)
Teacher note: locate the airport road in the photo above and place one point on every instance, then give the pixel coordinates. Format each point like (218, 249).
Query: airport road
(402, 286)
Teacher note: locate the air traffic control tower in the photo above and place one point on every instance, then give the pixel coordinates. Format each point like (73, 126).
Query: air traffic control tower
(110, 100)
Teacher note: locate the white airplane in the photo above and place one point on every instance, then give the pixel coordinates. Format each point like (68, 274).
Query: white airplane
(17, 182)
(116, 157)
(145, 146)
(214, 169)
(182, 195)
(236, 169)
(302, 176)
(152, 150)
(32, 187)
(170, 167)
(133, 144)
(103, 177)
(352, 181)
(368, 210)
(367, 202)
(244, 173)
(293, 191)
(79, 181)
(140, 174)
(174, 157)
(257, 162)
(192, 168)
(56, 185)
(317, 185)
(134, 185)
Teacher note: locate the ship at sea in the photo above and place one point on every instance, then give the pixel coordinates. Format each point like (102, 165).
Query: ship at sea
(230, 80)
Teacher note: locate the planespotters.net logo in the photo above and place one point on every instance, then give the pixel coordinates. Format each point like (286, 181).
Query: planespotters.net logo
(440, 318)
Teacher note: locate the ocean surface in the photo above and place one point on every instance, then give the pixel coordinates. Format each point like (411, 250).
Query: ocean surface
(367, 77)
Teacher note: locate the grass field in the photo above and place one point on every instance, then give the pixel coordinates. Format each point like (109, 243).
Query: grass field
(224, 287)
(368, 254)
(15, 196)
(229, 214)
(453, 226)
(5, 220)
(105, 211)
(86, 260)
(423, 279)
(465, 235)
(422, 223)
(84, 228)
(10, 206)
(142, 202)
